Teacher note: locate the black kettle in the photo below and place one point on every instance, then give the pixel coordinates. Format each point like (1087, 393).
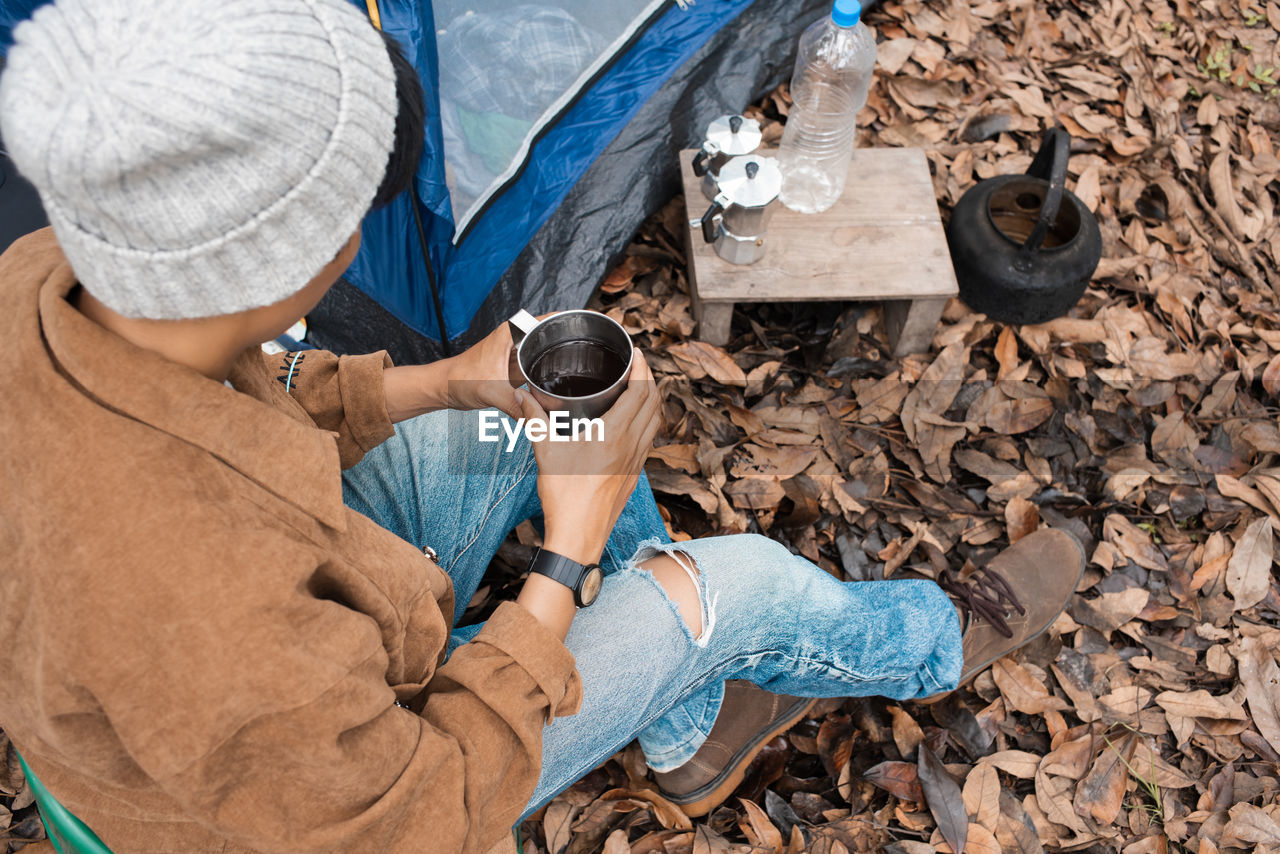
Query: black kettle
(1024, 246)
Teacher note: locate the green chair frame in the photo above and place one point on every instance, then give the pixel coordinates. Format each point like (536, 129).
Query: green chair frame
(68, 834)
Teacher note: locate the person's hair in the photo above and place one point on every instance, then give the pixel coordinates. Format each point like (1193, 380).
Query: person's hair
(402, 164)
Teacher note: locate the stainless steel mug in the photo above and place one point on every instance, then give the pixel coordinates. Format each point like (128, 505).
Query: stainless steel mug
(573, 361)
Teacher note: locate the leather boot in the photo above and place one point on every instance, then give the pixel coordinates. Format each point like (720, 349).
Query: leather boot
(1015, 597)
(749, 717)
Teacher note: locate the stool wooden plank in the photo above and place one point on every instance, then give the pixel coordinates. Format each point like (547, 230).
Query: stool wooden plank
(883, 241)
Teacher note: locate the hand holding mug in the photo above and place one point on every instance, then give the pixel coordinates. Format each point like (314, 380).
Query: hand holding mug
(583, 485)
(479, 377)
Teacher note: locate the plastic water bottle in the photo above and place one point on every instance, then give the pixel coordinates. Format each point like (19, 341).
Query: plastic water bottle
(836, 57)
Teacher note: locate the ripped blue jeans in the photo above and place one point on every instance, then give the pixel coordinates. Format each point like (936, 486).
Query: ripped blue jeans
(769, 616)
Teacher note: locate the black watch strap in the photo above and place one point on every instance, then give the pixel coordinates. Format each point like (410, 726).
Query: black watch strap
(568, 572)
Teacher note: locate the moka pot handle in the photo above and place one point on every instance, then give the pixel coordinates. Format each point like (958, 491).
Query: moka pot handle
(709, 220)
(702, 160)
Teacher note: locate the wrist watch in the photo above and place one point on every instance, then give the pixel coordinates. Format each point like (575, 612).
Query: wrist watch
(584, 581)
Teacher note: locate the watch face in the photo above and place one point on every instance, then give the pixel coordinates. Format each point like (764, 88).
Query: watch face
(591, 585)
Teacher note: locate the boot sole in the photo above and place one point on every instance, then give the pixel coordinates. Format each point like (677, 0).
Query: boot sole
(704, 799)
(973, 674)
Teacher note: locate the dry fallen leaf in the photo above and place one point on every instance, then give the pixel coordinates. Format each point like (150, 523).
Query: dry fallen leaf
(1249, 571)
(1261, 680)
(757, 493)
(678, 456)
(1271, 376)
(1006, 352)
(1019, 763)
(1021, 517)
(907, 734)
(1018, 416)
(707, 841)
(982, 796)
(978, 840)
(665, 480)
(1100, 794)
(1199, 704)
(1252, 825)
(620, 277)
(899, 779)
(616, 843)
(1020, 689)
(700, 359)
(557, 824)
(1016, 832)
(759, 830)
(943, 798)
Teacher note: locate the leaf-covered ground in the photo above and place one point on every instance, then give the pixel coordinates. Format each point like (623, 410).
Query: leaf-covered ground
(1146, 720)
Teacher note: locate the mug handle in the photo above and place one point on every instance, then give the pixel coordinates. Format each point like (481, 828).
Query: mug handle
(521, 324)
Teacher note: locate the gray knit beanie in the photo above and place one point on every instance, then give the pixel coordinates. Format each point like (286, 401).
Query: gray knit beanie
(199, 157)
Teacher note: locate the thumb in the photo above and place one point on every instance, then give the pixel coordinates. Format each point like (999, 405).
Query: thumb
(529, 407)
(508, 400)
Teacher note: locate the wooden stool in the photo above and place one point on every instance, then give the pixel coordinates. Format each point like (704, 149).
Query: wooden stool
(882, 241)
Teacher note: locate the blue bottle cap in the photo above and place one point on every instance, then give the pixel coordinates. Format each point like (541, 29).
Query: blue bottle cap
(845, 13)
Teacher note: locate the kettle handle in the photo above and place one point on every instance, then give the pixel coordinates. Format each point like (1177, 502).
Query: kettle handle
(708, 221)
(1049, 164)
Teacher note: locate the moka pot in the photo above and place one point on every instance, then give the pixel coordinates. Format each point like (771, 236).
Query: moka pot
(727, 137)
(736, 221)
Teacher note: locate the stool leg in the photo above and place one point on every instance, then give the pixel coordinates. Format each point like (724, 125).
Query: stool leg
(911, 323)
(713, 321)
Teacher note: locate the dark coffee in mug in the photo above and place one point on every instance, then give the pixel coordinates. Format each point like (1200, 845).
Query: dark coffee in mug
(576, 368)
(574, 361)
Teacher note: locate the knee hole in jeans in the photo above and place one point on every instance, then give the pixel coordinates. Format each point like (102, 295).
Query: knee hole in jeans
(678, 576)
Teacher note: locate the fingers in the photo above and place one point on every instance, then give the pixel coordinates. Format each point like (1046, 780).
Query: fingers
(637, 413)
(639, 367)
(639, 389)
(651, 407)
(650, 412)
(631, 426)
(652, 427)
(644, 439)
(652, 400)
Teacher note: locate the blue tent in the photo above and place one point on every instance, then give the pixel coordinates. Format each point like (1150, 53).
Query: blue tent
(527, 200)
(552, 131)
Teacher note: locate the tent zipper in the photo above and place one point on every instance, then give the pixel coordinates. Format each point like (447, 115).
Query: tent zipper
(375, 18)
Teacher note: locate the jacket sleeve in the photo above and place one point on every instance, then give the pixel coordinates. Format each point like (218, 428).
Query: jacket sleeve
(264, 707)
(344, 394)
(348, 771)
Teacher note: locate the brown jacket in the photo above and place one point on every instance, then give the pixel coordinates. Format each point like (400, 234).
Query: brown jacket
(201, 646)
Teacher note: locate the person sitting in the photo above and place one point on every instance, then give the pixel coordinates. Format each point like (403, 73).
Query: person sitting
(232, 586)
